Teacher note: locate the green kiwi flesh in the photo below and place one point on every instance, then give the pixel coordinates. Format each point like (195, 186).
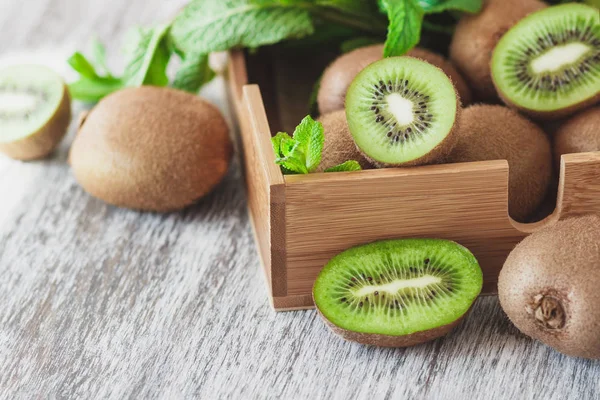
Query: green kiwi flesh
(341, 72)
(35, 111)
(549, 283)
(548, 64)
(397, 293)
(402, 111)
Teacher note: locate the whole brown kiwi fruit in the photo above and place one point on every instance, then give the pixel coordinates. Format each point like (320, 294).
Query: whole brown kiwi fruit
(579, 134)
(340, 73)
(549, 286)
(493, 132)
(151, 148)
(339, 145)
(476, 36)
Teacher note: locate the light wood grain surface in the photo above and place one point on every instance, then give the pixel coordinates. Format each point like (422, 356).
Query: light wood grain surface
(99, 302)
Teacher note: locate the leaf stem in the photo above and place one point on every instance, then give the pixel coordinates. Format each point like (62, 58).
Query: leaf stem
(364, 23)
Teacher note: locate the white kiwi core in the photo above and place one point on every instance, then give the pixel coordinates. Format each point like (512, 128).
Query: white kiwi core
(396, 285)
(400, 108)
(559, 57)
(17, 102)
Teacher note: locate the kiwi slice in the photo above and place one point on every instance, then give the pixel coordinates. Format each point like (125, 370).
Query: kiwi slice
(402, 111)
(341, 72)
(476, 36)
(35, 111)
(397, 293)
(548, 64)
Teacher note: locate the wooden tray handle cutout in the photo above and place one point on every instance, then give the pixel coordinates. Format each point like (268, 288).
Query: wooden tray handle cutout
(578, 190)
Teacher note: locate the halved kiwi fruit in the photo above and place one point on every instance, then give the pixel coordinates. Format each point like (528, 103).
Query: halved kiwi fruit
(402, 111)
(548, 64)
(35, 111)
(397, 293)
(475, 37)
(339, 146)
(151, 148)
(341, 72)
(550, 286)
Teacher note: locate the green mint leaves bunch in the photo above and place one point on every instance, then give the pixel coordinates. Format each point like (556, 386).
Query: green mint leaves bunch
(301, 153)
(206, 26)
(148, 52)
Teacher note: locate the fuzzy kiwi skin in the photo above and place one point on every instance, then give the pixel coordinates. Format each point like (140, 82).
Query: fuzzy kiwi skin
(549, 286)
(339, 145)
(150, 148)
(46, 139)
(374, 339)
(493, 132)
(579, 134)
(476, 37)
(449, 69)
(339, 75)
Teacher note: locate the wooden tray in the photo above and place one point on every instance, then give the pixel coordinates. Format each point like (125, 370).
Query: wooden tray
(301, 221)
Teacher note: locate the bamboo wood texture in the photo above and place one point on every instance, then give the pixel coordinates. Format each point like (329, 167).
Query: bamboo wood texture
(302, 221)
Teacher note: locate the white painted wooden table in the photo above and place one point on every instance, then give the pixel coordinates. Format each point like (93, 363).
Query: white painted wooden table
(99, 302)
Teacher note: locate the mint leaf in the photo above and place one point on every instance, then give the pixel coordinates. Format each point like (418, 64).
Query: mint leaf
(99, 56)
(437, 6)
(301, 153)
(404, 30)
(148, 56)
(350, 165)
(310, 137)
(92, 90)
(80, 64)
(282, 144)
(294, 165)
(288, 155)
(193, 73)
(206, 26)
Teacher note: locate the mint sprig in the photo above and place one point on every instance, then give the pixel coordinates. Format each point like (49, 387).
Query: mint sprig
(206, 26)
(301, 153)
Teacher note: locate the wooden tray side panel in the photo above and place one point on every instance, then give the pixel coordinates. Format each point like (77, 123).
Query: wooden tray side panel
(579, 191)
(462, 202)
(264, 181)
